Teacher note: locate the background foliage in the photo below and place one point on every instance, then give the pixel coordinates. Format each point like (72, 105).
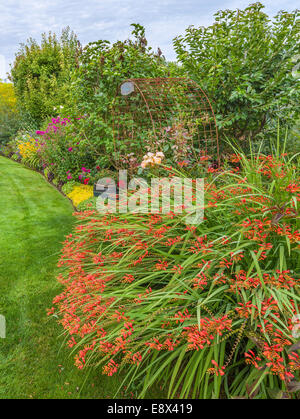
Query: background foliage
(41, 74)
(95, 83)
(9, 122)
(244, 62)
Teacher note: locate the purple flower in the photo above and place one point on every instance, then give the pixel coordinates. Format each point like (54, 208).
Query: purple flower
(70, 148)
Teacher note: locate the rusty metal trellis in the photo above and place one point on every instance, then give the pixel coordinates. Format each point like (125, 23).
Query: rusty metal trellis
(149, 107)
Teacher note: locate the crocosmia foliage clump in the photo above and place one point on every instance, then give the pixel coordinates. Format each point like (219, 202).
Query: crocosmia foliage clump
(206, 310)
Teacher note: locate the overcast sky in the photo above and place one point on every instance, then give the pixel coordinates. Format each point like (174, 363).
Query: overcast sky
(110, 19)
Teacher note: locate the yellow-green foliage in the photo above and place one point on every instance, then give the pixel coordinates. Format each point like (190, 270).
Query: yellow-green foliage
(7, 98)
(8, 112)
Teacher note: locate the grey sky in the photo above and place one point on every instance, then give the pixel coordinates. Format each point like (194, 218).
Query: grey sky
(111, 19)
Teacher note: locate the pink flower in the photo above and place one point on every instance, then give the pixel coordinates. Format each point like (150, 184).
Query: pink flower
(70, 148)
(85, 170)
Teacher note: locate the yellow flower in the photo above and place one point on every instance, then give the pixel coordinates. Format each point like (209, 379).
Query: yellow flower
(80, 193)
(27, 147)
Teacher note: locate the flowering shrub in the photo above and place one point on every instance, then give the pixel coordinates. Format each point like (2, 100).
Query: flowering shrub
(55, 150)
(208, 310)
(67, 158)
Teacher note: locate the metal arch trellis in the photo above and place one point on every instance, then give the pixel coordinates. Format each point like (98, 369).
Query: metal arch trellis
(149, 107)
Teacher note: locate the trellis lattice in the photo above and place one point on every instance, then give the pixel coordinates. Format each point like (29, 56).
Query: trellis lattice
(164, 114)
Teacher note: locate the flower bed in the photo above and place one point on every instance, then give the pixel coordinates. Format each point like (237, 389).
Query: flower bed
(207, 310)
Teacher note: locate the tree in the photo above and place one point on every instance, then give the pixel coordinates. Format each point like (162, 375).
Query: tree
(41, 73)
(244, 61)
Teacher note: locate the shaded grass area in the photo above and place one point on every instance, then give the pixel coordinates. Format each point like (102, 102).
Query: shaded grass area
(34, 218)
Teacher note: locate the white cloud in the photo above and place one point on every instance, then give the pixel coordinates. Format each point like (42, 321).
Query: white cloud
(111, 19)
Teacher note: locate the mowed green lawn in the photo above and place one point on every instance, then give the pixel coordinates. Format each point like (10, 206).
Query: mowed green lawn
(34, 363)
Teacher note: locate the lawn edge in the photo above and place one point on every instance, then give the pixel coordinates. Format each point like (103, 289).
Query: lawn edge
(45, 178)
